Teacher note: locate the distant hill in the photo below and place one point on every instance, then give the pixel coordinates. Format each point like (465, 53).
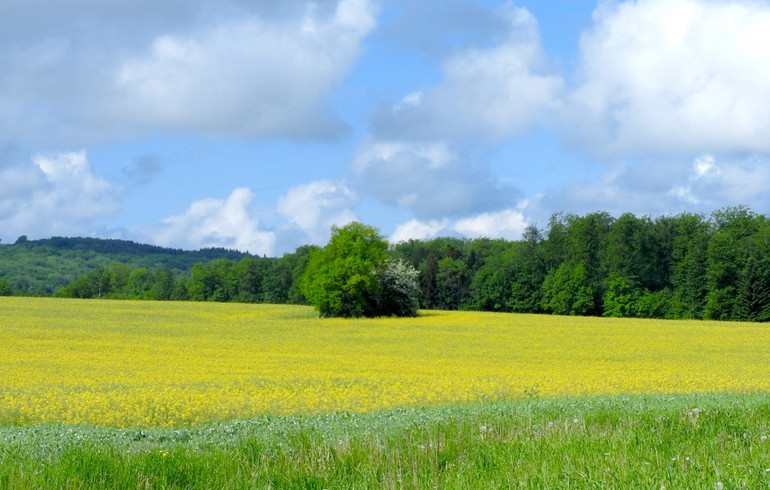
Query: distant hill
(39, 267)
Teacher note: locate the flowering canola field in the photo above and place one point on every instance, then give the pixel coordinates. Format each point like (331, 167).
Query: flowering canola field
(159, 364)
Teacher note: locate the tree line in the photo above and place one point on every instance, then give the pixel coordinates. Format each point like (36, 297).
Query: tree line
(686, 266)
(40, 267)
(248, 280)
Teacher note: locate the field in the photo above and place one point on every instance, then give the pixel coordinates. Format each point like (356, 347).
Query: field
(154, 364)
(257, 389)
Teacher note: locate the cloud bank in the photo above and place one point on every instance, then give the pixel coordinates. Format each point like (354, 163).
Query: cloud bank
(428, 179)
(310, 210)
(54, 194)
(674, 76)
(232, 69)
(486, 94)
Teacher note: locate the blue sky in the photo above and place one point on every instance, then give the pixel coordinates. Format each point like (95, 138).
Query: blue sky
(257, 125)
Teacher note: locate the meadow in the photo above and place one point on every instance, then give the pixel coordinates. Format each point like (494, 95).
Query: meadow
(181, 395)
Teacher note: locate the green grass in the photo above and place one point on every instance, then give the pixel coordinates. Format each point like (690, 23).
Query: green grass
(693, 441)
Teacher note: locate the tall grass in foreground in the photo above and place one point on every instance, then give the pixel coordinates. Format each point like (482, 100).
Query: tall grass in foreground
(691, 441)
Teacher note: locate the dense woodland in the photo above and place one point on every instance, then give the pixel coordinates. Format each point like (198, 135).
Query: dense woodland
(683, 266)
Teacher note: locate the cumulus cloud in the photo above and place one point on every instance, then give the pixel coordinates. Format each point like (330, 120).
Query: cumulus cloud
(54, 194)
(213, 222)
(314, 208)
(487, 94)
(310, 211)
(674, 75)
(663, 186)
(419, 230)
(245, 77)
(232, 68)
(506, 223)
(429, 179)
(726, 181)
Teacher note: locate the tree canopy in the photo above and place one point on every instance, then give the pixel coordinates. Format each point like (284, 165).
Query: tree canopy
(351, 276)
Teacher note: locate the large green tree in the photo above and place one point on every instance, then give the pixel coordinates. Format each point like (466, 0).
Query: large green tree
(351, 276)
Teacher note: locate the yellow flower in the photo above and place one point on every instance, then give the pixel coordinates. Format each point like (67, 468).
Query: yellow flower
(131, 363)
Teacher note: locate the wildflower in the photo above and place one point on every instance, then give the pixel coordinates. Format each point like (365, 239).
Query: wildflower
(234, 368)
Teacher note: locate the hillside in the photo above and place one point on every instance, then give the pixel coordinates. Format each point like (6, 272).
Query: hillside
(39, 267)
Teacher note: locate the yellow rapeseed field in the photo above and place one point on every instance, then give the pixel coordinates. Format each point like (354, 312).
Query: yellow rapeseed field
(121, 363)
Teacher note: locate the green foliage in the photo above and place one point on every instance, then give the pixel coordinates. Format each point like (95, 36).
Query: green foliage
(511, 280)
(530, 267)
(5, 288)
(491, 286)
(752, 302)
(280, 284)
(119, 281)
(40, 267)
(567, 291)
(452, 283)
(654, 304)
(428, 282)
(341, 279)
(621, 297)
(727, 254)
(213, 281)
(689, 271)
(353, 276)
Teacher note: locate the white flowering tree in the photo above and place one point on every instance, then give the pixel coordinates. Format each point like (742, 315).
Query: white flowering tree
(399, 289)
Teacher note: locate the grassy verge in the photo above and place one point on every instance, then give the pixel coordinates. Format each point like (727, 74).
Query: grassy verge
(694, 441)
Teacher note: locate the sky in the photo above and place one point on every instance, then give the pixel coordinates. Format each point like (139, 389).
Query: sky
(258, 125)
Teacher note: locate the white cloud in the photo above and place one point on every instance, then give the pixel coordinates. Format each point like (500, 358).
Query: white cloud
(54, 194)
(86, 73)
(731, 181)
(506, 223)
(674, 75)
(705, 166)
(313, 208)
(661, 186)
(245, 77)
(214, 223)
(487, 93)
(429, 179)
(418, 230)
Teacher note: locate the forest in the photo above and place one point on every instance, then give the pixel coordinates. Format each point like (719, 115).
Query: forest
(685, 266)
